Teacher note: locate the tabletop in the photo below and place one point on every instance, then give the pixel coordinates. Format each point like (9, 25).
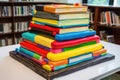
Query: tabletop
(11, 69)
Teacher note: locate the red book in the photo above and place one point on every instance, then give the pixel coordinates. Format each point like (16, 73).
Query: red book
(53, 30)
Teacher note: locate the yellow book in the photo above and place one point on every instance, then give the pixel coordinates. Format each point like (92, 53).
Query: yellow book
(71, 53)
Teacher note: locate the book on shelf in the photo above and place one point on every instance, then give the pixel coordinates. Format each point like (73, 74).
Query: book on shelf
(23, 10)
(2, 42)
(5, 28)
(47, 15)
(5, 11)
(56, 8)
(109, 18)
(20, 26)
(9, 41)
(103, 35)
(110, 38)
(106, 37)
(18, 40)
(91, 17)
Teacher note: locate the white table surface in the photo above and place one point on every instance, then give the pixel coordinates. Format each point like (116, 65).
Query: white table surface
(11, 69)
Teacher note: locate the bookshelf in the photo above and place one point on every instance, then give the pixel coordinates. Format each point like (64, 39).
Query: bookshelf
(10, 13)
(109, 22)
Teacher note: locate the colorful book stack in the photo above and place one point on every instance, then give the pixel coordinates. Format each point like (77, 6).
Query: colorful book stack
(59, 37)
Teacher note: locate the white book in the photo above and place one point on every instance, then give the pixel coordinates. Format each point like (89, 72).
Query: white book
(5, 28)
(79, 58)
(9, 40)
(3, 42)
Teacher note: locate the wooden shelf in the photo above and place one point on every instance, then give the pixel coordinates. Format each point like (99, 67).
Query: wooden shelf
(5, 19)
(22, 18)
(16, 33)
(112, 30)
(13, 19)
(5, 34)
(106, 26)
(5, 3)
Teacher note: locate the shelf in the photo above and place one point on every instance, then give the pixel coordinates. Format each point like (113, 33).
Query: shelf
(106, 26)
(22, 18)
(5, 34)
(5, 19)
(5, 3)
(16, 33)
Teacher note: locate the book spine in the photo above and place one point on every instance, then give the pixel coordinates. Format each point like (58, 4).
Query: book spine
(49, 9)
(5, 11)
(34, 48)
(21, 26)
(46, 28)
(36, 30)
(46, 15)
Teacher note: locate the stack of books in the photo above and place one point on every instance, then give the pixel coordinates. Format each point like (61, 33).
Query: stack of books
(59, 37)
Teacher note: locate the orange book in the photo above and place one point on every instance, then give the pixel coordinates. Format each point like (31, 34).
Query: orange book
(58, 63)
(59, 8)
(99, 52)
(108, 19)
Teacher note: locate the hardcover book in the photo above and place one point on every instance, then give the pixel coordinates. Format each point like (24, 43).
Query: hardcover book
(56, 8)
(66, 36)
(47, 15)
(63, 23)
(52, 43)
(50, 30)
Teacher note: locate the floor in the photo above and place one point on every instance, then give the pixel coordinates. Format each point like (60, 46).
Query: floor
(115, 76)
